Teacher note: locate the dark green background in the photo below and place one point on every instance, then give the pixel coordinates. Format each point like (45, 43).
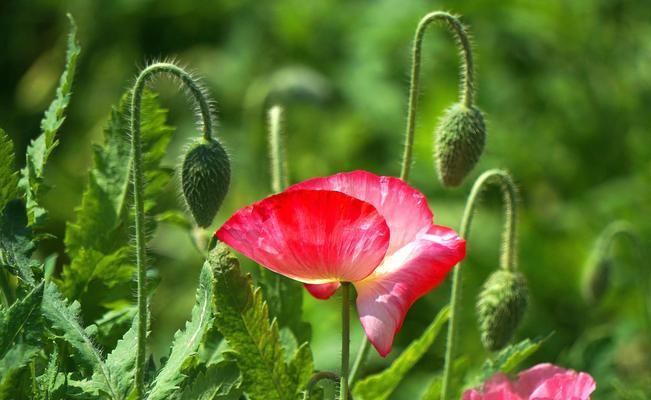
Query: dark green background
(566, 88)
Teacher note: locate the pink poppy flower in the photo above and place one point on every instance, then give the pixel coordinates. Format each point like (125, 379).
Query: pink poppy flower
(374, 231)
(542, 382)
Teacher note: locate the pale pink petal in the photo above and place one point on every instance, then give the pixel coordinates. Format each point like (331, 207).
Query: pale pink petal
(497, 387)
(565, 386)
(472, 394)
(533, 377)
(322, 291)
(404, 208)
(385, 296)
(313, 236)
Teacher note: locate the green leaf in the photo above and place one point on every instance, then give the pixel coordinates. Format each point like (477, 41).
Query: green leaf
(65, 321)
(8, 174)
(285, 299)
(98, 241)
(381, 385)
(40, 148)
(11, 366)
(243, 318)
(16, 244)
(120, 364)
(186, 343)
(510, 357)
(219, 382)
(14, 319)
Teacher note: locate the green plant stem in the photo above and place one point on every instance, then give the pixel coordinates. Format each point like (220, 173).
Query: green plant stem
(138, 192)
(5, 287)
(345, 340)
(362, 354)
(508, 256)
(277, 150)
(467, 92)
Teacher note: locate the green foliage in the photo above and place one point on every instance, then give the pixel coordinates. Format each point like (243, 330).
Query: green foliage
(8, 174)
(40, 148)
(98, 241)
(219, 382)
(16, 245)
(285, 300)
(242, 317)
(64, 319)
(510, 357)
(186, 342)
(14, 319)
(381, 385)
(12, 365)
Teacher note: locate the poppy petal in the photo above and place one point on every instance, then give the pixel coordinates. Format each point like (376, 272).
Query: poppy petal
(310, 236)
(404, 208)
(384, 298)
(322, 291)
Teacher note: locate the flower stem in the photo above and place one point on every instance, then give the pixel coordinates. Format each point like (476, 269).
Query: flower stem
(507, 258)
(467, 92)
(138, 192)
(277, 150)
(345, 340)
(362, 354)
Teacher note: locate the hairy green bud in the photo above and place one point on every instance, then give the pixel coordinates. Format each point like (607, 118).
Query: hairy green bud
(205, 178)
(460, 140)
(500, 308)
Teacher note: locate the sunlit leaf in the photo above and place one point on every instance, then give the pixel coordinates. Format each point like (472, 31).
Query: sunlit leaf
(219, 382)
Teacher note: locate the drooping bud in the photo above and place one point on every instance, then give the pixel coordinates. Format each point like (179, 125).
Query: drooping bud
(460, 141)
(595, 282)
(500, 307)
(205, 178)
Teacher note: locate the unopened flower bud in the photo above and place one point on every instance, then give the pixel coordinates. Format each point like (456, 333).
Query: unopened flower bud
(460, 140)
(500, 308)
(205, 177)
(596, 280)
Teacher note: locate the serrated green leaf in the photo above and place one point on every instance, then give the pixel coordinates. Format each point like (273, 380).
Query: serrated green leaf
(98, 241)
(40, 148)
(16, 317)
(8, 173)
(285, 299)
(243, 318)
(186, 342)
(301, 366)
(64, 319)
(120, 364)
(219, 382)
(510, 357)
(381, 385)
(16, 244)
(11, 365)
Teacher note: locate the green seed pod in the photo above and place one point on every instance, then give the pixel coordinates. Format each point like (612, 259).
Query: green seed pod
(205, 178)
(596, 280)
(500, 308)
(460, 140)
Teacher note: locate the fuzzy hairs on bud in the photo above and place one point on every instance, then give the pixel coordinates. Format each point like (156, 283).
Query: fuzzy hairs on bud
(500, 308)
(459, 143)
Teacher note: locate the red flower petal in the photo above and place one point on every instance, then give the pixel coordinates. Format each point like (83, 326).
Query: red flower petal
(311, 236)
(384, 298)
(404, 208)
(322, 291)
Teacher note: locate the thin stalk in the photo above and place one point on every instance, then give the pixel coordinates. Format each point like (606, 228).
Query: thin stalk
(345, 340)
(467, 92)
(277, 150)
(362, 354)
(5, 287)
(138, 193)
(508, 258)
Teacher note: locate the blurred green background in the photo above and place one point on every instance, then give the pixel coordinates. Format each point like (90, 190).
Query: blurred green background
(565, 86)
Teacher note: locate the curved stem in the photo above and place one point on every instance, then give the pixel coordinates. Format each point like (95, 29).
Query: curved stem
(138, 192)
(345, 340)
(467, 92)
(277, 150)
(319, 376)
(362, 354)
(508, 257)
